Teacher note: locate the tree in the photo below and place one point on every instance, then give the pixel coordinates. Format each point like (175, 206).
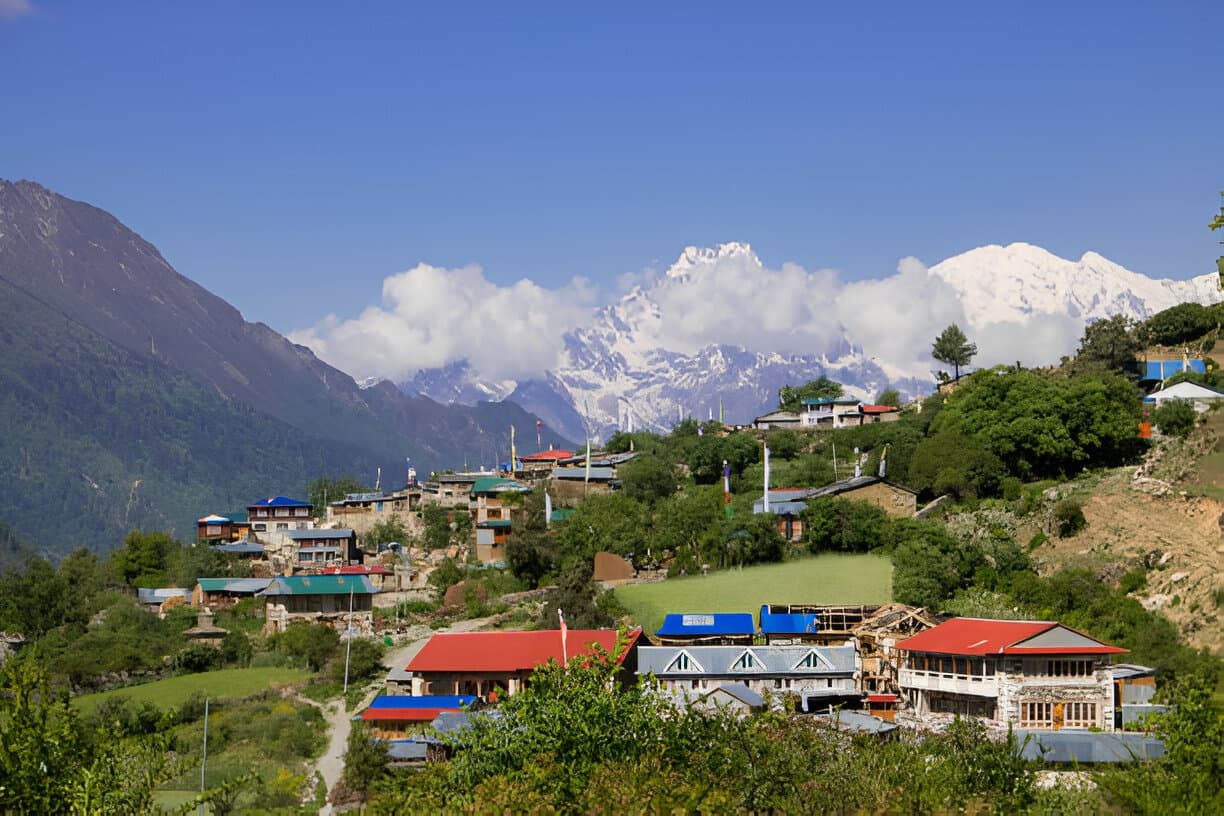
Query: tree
(437, 526)
(843, 524)
(791, 398)
(953, 348)
(531, 555)
(647, 478)
(1175, 418)
(614, 522)
(323, 491)
(1112, 345)
(383, 532)
(143, 558)
(365, 759)
(951, 462)
(309, 643)
(889, 396)
(1179, 324)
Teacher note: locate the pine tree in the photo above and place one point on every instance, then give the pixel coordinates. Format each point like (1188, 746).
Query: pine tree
(953, 348)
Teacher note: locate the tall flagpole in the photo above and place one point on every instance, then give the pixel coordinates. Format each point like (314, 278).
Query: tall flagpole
(348, 647)
(767, 478)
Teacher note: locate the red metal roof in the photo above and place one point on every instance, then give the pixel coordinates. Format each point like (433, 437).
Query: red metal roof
(881, 698)
(547, 456)
(404, 714)
(975, 636)
(354, 569)
(878, 409)
(509, 651)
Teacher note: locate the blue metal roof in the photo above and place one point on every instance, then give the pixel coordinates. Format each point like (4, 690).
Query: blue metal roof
(280, 501)
(719, 623)
(423, 701)
(1163, 369)
(787, 623)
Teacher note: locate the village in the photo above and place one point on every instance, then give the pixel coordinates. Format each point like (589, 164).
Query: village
(865, 668)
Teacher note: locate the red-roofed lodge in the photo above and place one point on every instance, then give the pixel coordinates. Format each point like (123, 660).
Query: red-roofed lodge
(479, 663)
(1032, 674)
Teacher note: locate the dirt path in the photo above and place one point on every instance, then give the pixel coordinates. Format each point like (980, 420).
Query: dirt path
(330, 766)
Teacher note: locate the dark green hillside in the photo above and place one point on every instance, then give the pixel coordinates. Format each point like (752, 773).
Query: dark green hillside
(97, 441)
(12, 549)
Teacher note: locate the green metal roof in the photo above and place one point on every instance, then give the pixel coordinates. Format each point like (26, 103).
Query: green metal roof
(320, 585)
(496, 484)
(493, 523)
(562, 513)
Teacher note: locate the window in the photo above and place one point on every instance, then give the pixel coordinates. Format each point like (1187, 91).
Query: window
(301, 511)
(282, 525)
(1036, 715)
(1079, 715)
(259, 528)
(746, 661)
(777, 682)
(282, 512)
(1069, 668)
(810, 661)
(695, 682)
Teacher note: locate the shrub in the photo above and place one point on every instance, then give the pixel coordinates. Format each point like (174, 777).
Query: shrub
(197, 658)
(306, 643)
(1175, 418)
(1134, 580)
(1069, 518)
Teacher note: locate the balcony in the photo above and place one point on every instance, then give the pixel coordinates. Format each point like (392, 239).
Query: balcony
(982, 686)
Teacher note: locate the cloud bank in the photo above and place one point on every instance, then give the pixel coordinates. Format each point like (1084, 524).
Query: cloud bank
(430, 316)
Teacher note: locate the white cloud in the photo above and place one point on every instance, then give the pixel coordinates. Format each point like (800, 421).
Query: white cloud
(12, 9)
(431, 316)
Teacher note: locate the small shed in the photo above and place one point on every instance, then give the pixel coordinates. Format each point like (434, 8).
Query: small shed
(734, 697)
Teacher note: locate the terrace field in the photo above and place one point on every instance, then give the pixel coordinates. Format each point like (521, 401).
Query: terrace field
(224, 683)
(821, 579)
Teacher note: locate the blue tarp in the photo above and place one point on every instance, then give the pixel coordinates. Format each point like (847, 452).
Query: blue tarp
(700, 625)
(1164, 369)
(784, 623)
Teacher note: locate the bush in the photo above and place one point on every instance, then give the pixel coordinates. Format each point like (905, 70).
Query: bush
(1175, 418)
(306, 644)
(1069, 518)
(1132, 581)
(197, 658)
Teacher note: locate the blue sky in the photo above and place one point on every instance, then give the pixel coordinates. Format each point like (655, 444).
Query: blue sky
(321, 147)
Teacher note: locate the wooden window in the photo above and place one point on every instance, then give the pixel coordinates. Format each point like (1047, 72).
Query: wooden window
(1079, 715)
(1036, 715)
(1069, 668)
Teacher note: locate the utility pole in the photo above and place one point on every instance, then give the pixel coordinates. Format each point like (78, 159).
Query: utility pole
(204, 757)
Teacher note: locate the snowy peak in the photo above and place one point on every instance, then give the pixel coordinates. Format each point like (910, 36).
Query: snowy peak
(694, 257)
(998, 284)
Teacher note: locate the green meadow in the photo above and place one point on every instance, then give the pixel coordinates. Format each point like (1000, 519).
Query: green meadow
(225, 683)
(821, 579)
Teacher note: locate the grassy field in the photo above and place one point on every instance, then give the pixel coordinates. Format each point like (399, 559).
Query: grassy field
(822, 579)
(226, 683)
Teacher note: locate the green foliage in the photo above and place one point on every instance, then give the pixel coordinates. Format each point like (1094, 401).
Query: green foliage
(384, 532)
(707, 454)
(1179, 324)
(1175, 418)
(144, 558)
(36, 599)
(365, 760)
(322, 491)
(953, 348)
(1043, 426)
(889, 396)
(1133, 581)
(306, 644)
(1110, 345)
(364, 661)
(791, 398)
(445, 575)
(1069, 518)
(613, 523)
(953, 463)
(929, 565)
(784, 443)
(577, 597)
(437, 526)
(53, 762)
(647, 478)
(197, 658)
(843, 525)
(531, 555)
(13, 549)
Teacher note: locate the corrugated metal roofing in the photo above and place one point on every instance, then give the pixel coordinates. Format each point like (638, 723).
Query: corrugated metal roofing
(509, 651)
(779, 508)
(407, 750)
(320, 548)
(161, 594)
(858, 722)
(598, 474)
(707, 624)
(740, 692)
(280, 501)
(214, 519)
(240, 548)
(439, 701)
(547, 456)
(495, 484)
(976, 636)
(789, 623)
(725, 661)
(493, 524)
(243, 586)
(320, 585)
(401, 714)
(320, 535)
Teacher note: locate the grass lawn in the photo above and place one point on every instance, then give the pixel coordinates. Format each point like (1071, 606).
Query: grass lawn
(821, 579)
(226, 683)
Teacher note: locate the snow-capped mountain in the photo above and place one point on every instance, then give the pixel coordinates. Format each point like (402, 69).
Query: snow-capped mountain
(647, 360)
(1009, 284)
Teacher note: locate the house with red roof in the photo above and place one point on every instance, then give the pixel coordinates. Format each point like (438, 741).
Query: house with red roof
(1038, 675)
(480, 663)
